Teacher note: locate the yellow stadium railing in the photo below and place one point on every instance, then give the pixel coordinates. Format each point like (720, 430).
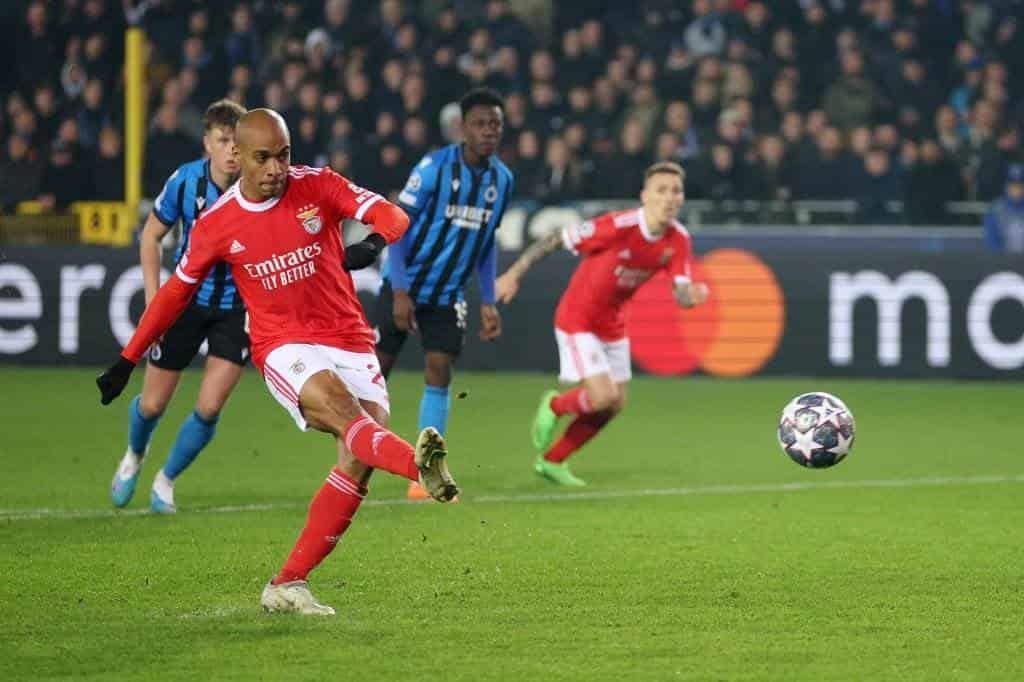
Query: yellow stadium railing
(107, 223)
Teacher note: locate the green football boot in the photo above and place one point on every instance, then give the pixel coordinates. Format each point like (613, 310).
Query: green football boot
(543, 430)
(557, 473)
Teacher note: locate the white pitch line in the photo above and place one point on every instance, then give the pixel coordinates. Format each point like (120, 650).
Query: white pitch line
(10, 515)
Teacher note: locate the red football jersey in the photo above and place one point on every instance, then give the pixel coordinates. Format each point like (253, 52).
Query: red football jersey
(286, 257)
(619, 254)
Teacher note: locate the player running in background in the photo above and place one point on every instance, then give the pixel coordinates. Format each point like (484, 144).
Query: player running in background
(455, 198)
(278, 230)
(621, 250)
(216, 316)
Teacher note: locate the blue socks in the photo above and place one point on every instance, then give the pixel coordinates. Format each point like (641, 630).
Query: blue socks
(193, 436)
(434, 408)
(140, 429)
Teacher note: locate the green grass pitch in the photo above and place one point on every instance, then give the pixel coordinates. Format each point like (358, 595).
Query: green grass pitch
(698, 552)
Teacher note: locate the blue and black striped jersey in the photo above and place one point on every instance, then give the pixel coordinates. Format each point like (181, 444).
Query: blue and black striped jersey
(454, 211)
(185, 195)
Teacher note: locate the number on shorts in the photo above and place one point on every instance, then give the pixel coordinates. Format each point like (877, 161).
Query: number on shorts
(461, 313)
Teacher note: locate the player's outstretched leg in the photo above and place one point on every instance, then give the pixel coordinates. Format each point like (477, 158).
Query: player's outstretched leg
(140, 430)
(327, 405)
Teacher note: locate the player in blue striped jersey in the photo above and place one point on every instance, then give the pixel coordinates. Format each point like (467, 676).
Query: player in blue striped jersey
(216, 315)
(455, 198)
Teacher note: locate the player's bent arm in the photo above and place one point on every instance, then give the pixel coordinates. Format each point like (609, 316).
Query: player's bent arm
(690, 294)
(388, 222)
(150, 254)
(536, 252)
(507, 286)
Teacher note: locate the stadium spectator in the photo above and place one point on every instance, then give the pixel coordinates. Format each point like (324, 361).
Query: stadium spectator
(878, 184)
(528, 162)
(108, 168)
(627, 161)
(167, 148)
(38, 47)
(21, 173)
(561, 178)
(718, 177)
(910, 70)
(678, 122)
(934, 174)
(851, 101)
(47, 116)
(771, 176)
(65, 177)
(1004, 222)
(827, 172)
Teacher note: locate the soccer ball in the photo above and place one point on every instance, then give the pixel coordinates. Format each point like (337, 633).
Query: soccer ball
(816, 430)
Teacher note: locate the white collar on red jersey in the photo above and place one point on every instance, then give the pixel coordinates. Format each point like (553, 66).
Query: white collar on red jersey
(255, 207)
(642, 221)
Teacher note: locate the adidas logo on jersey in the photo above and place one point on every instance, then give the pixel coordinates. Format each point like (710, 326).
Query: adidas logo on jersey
(236, 247)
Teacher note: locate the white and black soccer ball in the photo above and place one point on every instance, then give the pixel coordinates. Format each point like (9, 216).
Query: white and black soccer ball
(816, 430)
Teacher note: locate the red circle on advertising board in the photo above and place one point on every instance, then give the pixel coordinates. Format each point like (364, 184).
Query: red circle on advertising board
(734, 333)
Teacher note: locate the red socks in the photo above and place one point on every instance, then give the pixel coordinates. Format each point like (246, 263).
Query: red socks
(330, 514)
(582, 429)
(573, 401)
(375, 446)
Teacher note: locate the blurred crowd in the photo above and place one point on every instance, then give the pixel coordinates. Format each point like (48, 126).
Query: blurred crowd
(917, 101)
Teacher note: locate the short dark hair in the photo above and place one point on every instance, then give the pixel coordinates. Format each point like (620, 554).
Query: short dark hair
(222, 114)
(481, 97)
(670, 167)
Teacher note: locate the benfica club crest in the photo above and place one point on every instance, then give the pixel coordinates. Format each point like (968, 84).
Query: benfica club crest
(309, 216)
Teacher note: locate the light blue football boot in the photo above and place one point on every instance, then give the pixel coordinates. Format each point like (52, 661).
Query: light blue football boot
(127, 475)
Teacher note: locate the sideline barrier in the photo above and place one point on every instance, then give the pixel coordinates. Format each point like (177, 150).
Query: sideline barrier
(794, 304)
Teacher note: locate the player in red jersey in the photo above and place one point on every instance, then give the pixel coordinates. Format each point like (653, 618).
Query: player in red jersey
(278, 229)
(621, 251)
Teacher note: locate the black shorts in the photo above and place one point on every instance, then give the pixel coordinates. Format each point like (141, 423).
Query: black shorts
(224, 330)
(442, 327)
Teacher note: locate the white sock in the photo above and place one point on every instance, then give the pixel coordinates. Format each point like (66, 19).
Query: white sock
(164, 487)
(130, 464)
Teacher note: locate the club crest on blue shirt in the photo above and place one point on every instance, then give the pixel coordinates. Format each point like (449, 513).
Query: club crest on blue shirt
(310, 218)
(491, 194)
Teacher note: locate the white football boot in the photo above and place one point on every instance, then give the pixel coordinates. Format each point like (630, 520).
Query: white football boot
(293, 597)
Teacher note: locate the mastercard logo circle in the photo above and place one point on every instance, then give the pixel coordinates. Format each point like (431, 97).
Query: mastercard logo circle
(733, 334)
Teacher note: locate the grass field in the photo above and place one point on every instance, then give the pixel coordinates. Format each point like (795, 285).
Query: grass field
(698, 552)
